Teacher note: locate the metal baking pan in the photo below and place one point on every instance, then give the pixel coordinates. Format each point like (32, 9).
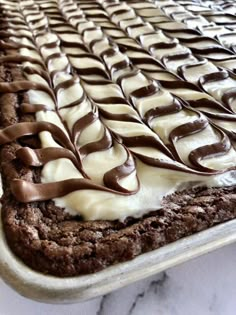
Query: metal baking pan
(49, 289)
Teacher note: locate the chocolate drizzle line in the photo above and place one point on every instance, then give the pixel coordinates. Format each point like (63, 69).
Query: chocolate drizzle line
(87, 77)
(203, 94)
(166, 84)
(39, 157)
(44, 155)
(19, 130)
(26, 191)
(207, 151)
(111, 52)
(130, 141)
(18, 86)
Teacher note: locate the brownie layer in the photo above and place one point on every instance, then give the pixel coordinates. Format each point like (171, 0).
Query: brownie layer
(51, 241)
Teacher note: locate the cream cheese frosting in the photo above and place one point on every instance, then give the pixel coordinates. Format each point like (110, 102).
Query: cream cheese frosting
(113, 83)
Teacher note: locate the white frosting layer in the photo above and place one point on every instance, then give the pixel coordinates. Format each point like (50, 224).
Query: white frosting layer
(155, 182)
(96, 205)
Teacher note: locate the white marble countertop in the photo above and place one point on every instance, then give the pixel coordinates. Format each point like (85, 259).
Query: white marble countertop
(203, 286)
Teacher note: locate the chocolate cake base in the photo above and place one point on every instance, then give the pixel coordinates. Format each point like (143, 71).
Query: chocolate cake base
(51, 241)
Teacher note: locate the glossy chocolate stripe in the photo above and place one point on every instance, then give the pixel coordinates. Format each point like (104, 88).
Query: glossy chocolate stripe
(5, 34)
(104, 143)
(50, 58)
(112, 177)
(210, 50)
(82, 123)
(29, 108)
(169, 45)
(91, 71)
(175, 57)
(18, 86)
(208, 151)
(189, 128)
(145, 91)
(120, 65)
(13, 45)
(182, 69)
(168, 165)
(66, 44)
(204, 102)
(229, 97)
(162, 111)
(119, 117)
(110, 100)
(146, 141)
(179, 85)
(199, 39)
(19, 130)
(50, 45)
(39, 157)
(20, 59)
(66, 85)
(42, 73)
(25, 191)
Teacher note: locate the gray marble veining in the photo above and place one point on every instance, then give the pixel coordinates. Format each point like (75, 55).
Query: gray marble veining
(203, 286)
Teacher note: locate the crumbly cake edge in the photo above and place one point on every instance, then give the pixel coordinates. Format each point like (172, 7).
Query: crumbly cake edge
(49, 240)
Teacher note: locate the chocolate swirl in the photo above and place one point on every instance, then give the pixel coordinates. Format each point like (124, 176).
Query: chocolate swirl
(216, 149)
(173, 45)
(130, 141)
(19, 130)
(48, 154)
(39, 157)
(108, 73)
(19, 86)
(178, 59)
(25, 191)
